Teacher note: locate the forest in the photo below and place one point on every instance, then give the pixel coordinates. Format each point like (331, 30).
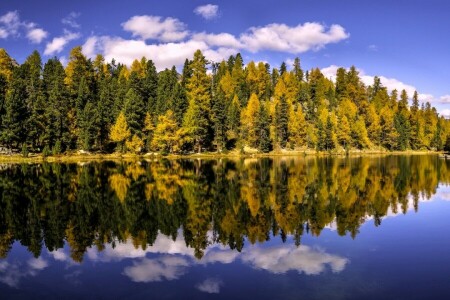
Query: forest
(206, 202)
(100, 106)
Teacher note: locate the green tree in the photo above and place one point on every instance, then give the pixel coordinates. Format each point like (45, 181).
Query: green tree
(196, 120)
(281, 122)
(134, 111)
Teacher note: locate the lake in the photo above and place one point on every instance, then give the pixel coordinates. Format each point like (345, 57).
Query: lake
(281, 228)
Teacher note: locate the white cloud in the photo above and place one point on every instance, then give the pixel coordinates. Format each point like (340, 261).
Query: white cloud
(151, 270)
(175, 43)
(37, 35)
(163, 245)
(220, 40)
(156, 28)
(445, 113)
(299, 39)
(210, 286)
(90, 47)
(58, 43)
(3, 33)
(281, 259)
(12, 273)
(59, 255)
(208, 11)
(444, 99)
(163, 55)
(11, 25)
(37, 263)
(71, 20)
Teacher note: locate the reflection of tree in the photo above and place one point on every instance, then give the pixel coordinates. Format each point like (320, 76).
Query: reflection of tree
(221, 201)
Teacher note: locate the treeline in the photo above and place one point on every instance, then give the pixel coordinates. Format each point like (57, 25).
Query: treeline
(225, 202)
(102, 106)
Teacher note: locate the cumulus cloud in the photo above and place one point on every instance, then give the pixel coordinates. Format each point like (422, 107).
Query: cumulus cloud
(151, 270)
(445, 113)
(58, 43)
(298, 39)
(71, 20)
(38, 263)
(208, 11)
(37, 35)
(59, 255)
(12, 26)
(162, 245)
(174, 43)
(220, 40)
(156, 28)
(444, 99)
(12, 273)
(303, 259)
(210, 286)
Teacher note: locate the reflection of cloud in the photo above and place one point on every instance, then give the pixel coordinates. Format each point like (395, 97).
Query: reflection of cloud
(12, 273)
(219, 256)
(149, 270)
(283, 258)
(59, 254)
(210, 285)
(73, 278)
(163, 244)
(37, 263)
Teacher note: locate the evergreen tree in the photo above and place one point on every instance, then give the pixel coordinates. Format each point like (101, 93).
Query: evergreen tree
(196, 121)
(219, 119)
(16, 113)
(263, 130)
(134, 111)
(281, 117)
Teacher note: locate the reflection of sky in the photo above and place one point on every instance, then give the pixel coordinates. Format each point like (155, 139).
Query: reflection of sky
(384, 261)
(174, 259)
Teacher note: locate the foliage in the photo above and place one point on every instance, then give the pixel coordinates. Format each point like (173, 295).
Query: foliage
(80, 105)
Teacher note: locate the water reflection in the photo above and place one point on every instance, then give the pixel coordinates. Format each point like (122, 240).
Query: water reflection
(204, 210)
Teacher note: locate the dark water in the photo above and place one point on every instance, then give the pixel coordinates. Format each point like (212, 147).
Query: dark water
(305, 228)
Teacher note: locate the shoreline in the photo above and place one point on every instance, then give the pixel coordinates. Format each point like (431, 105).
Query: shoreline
(77, 157)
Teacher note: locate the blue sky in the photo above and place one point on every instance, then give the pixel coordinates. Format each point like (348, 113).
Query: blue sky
(404, 41)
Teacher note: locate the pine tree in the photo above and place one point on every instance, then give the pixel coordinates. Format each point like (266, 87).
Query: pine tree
(329, 135)
(249, 117)
(297, 127)
(263, 130)
(89, 126)
(134, 111)
(298, 72)
(281, 117)
(119, 131)
(219, 119)
(233, 119)
(165, 135)
(16, 113)
(196, 120)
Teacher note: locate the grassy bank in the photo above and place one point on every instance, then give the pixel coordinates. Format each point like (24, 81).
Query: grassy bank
(79, 158)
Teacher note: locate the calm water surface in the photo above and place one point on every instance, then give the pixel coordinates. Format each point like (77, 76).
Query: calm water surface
(303, 228)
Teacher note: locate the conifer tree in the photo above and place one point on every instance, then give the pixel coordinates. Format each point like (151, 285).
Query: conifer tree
(263, 130)
(196, 121)
(281, 117)
(120, 132)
